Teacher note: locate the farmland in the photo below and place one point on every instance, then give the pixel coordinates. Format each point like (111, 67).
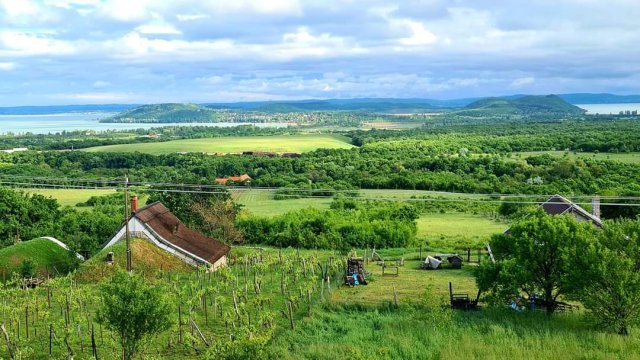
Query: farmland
(278, 143)
(70, 197)
(631, 157)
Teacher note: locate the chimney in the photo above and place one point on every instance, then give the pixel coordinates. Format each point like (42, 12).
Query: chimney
(595, 206)
(134, 203)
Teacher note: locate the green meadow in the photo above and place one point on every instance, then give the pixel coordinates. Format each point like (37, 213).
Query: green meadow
(235, 144)
(630, 157)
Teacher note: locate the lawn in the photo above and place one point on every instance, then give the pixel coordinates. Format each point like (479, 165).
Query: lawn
(631, 158)
(411, 284)
(235, 144)
(458, 224)
(70, 197)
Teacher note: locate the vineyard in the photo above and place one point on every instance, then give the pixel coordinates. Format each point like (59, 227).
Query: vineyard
(259, 294)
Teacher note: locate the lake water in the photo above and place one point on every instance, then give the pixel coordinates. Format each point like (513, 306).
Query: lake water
(606, 109)
(55, 123)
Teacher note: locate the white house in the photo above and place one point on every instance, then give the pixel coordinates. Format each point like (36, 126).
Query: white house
(158, 225)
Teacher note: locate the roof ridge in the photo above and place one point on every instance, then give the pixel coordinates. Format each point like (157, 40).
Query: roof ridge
(148, 206)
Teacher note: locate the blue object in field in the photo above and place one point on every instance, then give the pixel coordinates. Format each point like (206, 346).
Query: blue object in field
(355, 279)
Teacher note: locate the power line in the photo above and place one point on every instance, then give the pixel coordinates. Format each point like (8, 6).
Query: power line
(494, 200)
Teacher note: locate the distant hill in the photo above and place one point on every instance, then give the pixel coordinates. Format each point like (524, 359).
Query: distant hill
(525, 105)
(46, 255)
(365, 105)
(165, 113)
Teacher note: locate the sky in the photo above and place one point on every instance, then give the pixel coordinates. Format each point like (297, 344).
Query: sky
(144, 51)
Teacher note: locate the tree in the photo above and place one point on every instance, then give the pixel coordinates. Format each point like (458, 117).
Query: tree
(134, 310)
(607, 276)
(28, 268)
(532, 259)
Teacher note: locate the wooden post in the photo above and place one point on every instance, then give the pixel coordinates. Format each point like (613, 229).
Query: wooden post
(180, 324)
(126, 222)
(479, 255)
(420, 252)
(9, 345)
(290, 308)
(450, 292)
(468, 255)
(94, 348)
(395, 296)
(50, 339)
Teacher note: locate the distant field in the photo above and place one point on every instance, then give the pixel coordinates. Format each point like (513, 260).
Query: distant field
(632, 158)
(261, 202)
(235, 144)
(70, 197)
(458, 224)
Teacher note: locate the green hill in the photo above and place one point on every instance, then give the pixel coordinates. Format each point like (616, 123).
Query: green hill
(165, 113)
(145, 257)
(526, 105)
(46, 255)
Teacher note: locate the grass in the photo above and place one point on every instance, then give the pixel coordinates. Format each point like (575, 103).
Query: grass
(44, 253)
(458, 225)
(235, 144)
(70, 197)
(261, 202)
(411, 285)
(631, 158)
(147, 258)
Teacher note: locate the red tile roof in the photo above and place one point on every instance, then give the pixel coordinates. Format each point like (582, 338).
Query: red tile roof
(241, 178)
(170, 228)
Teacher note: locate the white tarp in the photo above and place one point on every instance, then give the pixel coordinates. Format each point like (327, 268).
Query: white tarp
(432, 262)
(62, 245)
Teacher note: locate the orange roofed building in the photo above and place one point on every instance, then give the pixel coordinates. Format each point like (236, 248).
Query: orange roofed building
(236, 179)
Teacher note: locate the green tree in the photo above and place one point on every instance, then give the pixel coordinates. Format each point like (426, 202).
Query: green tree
(607, 276)
(28, 268)
(134, 310)
(532, 259)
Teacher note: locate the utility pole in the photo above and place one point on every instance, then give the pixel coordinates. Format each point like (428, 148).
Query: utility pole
(126, 221)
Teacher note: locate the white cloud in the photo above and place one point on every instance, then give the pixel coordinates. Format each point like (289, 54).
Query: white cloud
(522, 82)
(419, 35)
(7, 66)
(101, 84)
(191, 17)
(15, 8)
(158, 28)
(24, 45)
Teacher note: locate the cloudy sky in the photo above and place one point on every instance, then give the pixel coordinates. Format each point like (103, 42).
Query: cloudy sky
(143, 51)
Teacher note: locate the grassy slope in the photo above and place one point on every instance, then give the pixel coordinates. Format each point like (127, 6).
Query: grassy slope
(44, 253)
(146, 258)
(279, 143)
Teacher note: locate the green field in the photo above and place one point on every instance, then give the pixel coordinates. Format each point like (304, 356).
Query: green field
(631, 158)
(70, 197)
(46, 255)
(236, 144)
(261, 202)
(456, 224)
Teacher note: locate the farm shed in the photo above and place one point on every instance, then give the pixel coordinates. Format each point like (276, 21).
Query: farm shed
(559, 205)
(162, 228)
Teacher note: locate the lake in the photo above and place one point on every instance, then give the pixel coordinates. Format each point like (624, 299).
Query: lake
(609, 108)
(55, 123)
